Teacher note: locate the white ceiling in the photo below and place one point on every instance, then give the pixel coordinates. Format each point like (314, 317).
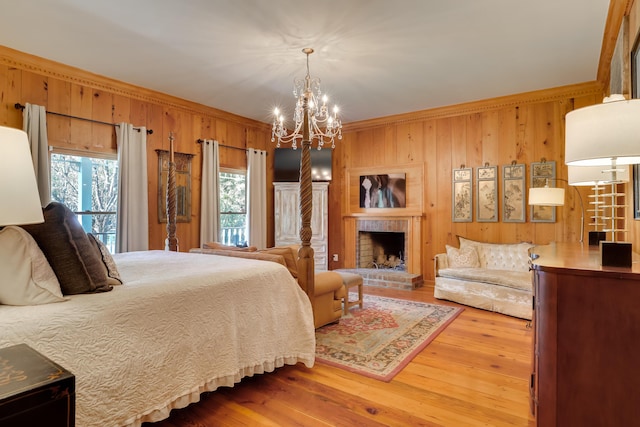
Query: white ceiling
(375, 57)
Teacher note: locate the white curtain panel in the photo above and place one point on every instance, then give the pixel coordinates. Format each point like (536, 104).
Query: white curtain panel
(210, 194)
(132, 233)
(257, 197)
(34, 123)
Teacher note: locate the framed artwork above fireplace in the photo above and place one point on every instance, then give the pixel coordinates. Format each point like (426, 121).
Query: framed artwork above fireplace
(383, 191)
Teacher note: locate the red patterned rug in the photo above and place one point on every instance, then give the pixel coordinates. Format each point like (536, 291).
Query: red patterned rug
(382, 338)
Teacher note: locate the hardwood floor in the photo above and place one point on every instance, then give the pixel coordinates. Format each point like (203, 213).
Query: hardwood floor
(475, 373)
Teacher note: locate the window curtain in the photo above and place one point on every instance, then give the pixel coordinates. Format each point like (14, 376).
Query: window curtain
(132, 233)
(34, 123)
(210, 194)
(257, 197)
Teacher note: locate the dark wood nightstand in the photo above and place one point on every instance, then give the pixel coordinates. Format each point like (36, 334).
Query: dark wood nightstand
(34, 391)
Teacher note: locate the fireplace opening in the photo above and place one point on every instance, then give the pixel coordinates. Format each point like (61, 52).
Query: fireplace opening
(382, 250)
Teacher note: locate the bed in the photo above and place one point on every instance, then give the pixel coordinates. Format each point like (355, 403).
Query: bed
(180, 324)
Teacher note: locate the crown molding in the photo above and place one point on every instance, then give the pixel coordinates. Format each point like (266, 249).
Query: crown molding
(23, 61)
(546, 95)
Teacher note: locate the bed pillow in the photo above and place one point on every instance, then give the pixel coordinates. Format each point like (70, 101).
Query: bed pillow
(110, 268)
(289, 255)
(26, 278)
(69, 251)
(465, 257)
(216, 245)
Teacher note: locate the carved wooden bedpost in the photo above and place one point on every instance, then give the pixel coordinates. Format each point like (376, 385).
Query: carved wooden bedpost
(172, 241)
(306, 263)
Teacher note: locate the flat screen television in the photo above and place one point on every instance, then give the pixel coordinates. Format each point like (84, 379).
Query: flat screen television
(286, 164)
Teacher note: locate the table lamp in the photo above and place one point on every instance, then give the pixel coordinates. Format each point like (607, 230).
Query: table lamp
(606, 134)
(18, 188)
(597, 177)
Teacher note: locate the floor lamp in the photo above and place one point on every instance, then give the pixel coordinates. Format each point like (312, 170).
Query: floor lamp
(608, 135)
(554, 196)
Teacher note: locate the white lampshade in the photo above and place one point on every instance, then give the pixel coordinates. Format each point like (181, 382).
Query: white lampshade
(546, 196)
(596, 175)
(18, 189)
(603, 133)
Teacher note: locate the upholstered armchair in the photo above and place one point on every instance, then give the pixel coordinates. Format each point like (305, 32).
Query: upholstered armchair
(328, 290)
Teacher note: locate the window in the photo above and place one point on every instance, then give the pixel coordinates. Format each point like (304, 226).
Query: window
(233, 208)
(89, 187)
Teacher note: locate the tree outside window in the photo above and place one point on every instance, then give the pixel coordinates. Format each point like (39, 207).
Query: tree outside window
(233, 208)
(89, 187)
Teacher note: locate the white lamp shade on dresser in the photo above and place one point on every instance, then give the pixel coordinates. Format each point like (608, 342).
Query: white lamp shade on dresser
(604, 134)
(596, 175)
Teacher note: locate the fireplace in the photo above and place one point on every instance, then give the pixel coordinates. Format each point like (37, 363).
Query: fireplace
(382, 250)
(386, 251)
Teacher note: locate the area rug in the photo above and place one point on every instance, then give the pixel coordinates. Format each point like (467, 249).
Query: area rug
(380, 339)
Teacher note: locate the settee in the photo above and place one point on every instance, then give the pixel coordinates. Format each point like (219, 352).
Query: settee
(489, 276)
(329, 290)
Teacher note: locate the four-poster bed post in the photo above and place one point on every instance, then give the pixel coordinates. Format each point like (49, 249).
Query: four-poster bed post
(306, 263)
(172, 241)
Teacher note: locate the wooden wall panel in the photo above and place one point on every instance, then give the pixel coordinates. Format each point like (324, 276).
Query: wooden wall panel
(63, 89)
(520, 129)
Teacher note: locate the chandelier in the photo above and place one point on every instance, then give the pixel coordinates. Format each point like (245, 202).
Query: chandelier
(313, 120)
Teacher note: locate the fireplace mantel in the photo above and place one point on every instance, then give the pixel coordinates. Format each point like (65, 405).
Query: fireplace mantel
(412, 226)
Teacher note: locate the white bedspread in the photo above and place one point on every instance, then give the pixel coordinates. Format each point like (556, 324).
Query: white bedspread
(182, 324)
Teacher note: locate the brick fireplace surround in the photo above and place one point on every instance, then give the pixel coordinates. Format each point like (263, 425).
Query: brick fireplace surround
(388, 278)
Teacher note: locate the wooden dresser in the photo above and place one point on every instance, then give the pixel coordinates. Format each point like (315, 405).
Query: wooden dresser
(586, 345)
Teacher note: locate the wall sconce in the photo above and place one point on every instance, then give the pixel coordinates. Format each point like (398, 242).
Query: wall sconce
(606, 134)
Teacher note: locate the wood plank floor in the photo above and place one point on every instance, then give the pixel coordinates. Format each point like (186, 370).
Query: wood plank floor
(475, 373)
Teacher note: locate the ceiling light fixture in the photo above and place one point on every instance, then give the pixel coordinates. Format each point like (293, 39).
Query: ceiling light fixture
(311, 116)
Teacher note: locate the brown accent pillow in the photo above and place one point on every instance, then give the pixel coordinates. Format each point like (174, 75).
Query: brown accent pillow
(110, 268)
(216, 245)
(69, 251)
(289, 255)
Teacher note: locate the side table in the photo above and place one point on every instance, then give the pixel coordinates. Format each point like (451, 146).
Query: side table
(34, 391)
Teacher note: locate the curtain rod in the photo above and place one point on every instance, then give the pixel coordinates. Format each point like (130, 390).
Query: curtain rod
(200, 141)
(19, 106)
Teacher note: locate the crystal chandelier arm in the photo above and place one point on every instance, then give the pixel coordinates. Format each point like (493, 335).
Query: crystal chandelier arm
(324, 125)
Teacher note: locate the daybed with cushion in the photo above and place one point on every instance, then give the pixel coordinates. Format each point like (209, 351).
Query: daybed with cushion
(180, 324)
(329, 291)
(489, 276)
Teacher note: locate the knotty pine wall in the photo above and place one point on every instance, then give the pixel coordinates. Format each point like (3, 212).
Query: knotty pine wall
(523, 128)
(63, 89)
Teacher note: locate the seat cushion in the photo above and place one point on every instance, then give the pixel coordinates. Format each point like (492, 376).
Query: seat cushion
(511, 279)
